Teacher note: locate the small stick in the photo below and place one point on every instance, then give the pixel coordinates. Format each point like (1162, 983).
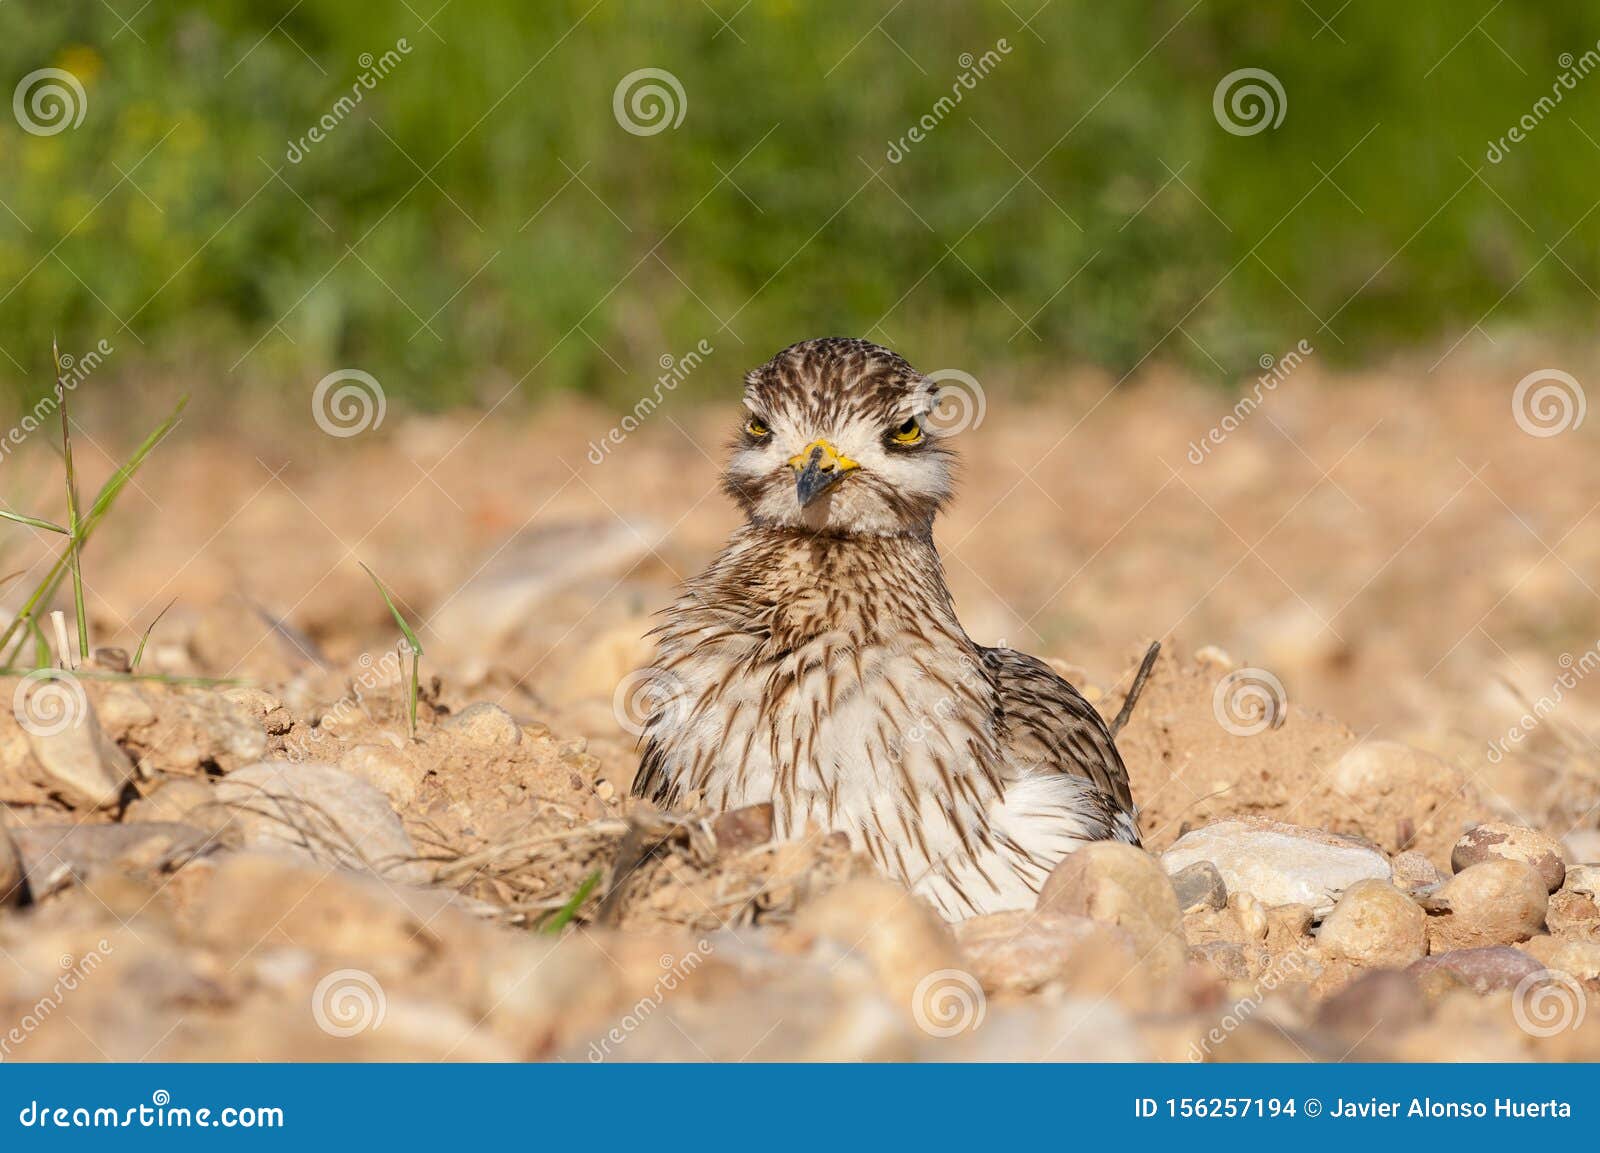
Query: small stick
(1136, 688)
(63, 651)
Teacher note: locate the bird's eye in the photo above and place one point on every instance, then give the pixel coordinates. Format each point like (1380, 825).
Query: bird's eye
(908, 433)
(756, 428)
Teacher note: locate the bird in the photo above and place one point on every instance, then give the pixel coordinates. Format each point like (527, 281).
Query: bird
(817, 663)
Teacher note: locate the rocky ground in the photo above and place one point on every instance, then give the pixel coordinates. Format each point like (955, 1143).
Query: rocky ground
(246, 853)
(286, 873)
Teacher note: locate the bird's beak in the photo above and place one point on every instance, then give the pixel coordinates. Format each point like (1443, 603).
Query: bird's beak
(817, 468)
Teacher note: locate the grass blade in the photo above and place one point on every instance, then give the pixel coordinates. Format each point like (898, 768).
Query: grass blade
(74, 544)
(568, 911)
(97, 512)
(138, 653)
(411, 639)
(34, 521)
(41, 647)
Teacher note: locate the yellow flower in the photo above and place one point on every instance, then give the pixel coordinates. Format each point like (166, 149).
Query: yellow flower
(80, 60)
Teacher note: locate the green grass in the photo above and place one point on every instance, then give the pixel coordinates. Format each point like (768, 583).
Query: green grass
(564, 915)
(438, 239)
(410, 637)
(78, 533)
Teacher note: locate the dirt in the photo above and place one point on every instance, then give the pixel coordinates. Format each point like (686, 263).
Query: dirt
(1395, 558)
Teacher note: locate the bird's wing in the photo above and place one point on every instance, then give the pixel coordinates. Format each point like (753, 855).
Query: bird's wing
(1049, 727)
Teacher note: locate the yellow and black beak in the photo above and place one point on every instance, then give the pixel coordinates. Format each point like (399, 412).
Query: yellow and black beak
(817, 468)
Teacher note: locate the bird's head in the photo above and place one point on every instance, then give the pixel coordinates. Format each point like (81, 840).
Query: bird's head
(836, 439)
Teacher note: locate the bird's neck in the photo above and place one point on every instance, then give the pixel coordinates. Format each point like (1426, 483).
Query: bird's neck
(796, 585)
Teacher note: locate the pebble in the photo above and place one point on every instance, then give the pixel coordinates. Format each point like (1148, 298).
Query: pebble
(1498, 840)
(1584, 879)
(1574, 914)
(1579, 958)
(11, 873)
(180, 800)
(739, 829)
(1277, 863)
(1387, 1000)
(902, 939)
(1122, 885)
(1376, 926)
(325, 813)
(1414, 872)
(1200, 886)
(485, 723)
(1481, 970)
(1076, 1029)
(1022, 951)
(54, 856)
(386, 769)
(1250, 914)
(86, 765)
(1227, 959)
(1497, 902)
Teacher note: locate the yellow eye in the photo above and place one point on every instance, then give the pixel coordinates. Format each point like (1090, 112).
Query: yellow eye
(756, 429)
(908, 433)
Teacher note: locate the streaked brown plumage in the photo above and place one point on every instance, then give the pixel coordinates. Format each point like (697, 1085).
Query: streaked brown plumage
(818, 663)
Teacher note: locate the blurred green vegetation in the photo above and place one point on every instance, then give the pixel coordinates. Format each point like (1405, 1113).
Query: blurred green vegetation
(481, 216)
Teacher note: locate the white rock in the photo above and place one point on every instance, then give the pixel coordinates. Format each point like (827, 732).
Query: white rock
(1277, 863)
(77, 756)
(485, 723)
(321, 812)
